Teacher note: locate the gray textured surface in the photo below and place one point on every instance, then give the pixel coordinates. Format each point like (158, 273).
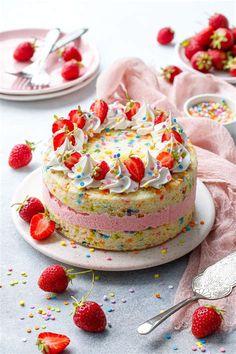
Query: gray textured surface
(33, 122)
(124, 28)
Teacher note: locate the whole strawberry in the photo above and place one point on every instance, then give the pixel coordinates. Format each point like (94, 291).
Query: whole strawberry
(204, 36)
(24, 51)
(21, 155)
(206, 320)
(71, 52)
(191, 48)
(29, 207)
(233, 30)
(165, 35)
(52, 343)
(218, 20)
(54, 278)
(71, 70)
(231, 66)
(222, 38)
(89, 316)
(218, 58)
(202, 61)
(170, 72)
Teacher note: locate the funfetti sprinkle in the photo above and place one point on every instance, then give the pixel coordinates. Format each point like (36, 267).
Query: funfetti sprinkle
(217, 111)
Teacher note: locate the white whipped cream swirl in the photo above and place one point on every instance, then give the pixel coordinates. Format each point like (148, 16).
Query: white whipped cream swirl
(155, 175)
(82, 173)
(118, 179)
(143, 120)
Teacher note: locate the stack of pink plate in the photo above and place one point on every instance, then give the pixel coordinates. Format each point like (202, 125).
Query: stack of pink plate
(13, 88)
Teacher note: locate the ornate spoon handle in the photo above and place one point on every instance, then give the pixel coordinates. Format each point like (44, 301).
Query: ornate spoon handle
(151, 324)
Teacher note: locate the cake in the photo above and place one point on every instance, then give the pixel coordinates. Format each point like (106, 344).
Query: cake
(119, 177)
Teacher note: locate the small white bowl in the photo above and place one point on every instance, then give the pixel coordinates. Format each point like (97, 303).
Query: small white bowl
(230, 126)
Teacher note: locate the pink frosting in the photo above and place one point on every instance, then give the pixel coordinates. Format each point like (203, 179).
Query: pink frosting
(116, 223)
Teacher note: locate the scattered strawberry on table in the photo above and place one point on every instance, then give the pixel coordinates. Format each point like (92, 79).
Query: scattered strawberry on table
(29, 207)
(165, 35)
(170, 72)
(24, 51)
(89, 316)
(52, 343)
(41, 227)
(213, 47)
(206, 320)
(56, 278)
(21, 155)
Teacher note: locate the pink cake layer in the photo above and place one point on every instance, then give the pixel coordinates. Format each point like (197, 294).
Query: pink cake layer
(107, 222)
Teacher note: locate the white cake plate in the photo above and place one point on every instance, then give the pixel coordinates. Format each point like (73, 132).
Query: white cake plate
(116, 261)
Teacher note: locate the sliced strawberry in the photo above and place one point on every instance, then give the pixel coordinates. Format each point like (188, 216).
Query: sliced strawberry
(132, 108)
(160, 118)
(167, 135)
(71, 159)
(61, 123)
(100, 171)
(60, 138)
(135, 167)
(100, 109)
(41, 227)
(78, 117)
(52, 343)
(166, 159)
(177, 136)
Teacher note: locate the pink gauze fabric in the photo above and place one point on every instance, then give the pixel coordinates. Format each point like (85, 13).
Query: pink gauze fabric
(216, 157)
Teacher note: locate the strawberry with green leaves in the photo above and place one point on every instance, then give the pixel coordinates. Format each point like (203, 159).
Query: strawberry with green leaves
(55, 278)
(222, 39)
(206, 320)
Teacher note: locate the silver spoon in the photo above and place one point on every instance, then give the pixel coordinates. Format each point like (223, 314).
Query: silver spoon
(216, 282)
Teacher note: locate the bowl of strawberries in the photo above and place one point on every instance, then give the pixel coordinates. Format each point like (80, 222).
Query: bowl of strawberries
(212, 50)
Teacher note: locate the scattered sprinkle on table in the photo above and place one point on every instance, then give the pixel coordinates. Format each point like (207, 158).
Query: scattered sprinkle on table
(21, 303)
(222, 350)
(131, 290)
(217, 111)
(63, 243)
(156, 276)
(157, 295)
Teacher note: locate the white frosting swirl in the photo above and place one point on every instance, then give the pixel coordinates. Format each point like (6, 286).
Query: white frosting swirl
(116, 118)
(155, 175)
(82, 173)
(118, 180)
(93, 124)
(143, 120)
(182, 158)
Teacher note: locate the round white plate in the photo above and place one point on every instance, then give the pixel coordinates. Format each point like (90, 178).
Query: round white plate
(47, 96)
(187, 65)
(116, 261)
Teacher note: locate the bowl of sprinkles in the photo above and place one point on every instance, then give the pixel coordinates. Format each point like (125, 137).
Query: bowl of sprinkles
(220, 109)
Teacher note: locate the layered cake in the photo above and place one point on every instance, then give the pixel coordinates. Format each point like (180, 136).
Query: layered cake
(119, 177)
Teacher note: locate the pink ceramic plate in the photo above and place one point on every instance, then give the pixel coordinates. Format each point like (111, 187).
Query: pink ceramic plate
(10, 85)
